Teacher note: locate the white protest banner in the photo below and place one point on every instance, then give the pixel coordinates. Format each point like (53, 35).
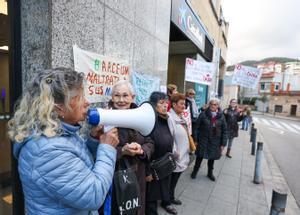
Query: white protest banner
(143, 86)
(246, 76)
(199, 72)
(163, 88)
(101, 73)
(187, 116)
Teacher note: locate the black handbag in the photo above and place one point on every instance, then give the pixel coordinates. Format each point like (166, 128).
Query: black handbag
(163, 167)
(127, 190)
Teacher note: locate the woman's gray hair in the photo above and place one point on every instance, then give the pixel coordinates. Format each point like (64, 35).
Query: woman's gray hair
(216, 100)
(120, 83)
(35, 113)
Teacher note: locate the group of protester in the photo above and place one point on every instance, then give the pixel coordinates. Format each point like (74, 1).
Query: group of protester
(62, 173)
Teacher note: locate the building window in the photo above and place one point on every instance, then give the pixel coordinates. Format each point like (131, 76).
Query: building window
(262, 86)
(278, 108)
(277, 87)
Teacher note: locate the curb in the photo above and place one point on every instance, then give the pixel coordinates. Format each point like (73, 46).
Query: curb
(276, 116)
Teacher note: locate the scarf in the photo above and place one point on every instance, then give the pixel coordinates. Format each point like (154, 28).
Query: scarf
(194, 107)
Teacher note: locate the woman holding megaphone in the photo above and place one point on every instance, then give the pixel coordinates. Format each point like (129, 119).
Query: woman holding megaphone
(58, 172)
(133, 147)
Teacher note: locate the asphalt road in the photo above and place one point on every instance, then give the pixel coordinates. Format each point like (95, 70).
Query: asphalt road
(283, 139)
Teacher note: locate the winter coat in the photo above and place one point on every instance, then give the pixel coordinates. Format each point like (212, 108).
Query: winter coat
(138, 162)
(211, 135)
(232, 118)
(163, 143)
(181, 146)
(59, 175)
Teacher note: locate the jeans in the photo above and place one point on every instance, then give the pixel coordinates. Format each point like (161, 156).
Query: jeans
(245, 123)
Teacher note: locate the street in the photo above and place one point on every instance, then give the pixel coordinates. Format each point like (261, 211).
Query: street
(282, 136)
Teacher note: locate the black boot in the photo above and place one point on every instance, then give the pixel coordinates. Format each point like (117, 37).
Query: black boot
(228, 153)
(196, 167)
(210, 174)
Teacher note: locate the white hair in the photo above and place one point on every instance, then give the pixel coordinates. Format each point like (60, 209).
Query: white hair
(216, 100)
(121, 83)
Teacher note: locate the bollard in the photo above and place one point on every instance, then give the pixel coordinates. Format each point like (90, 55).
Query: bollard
(253, 140)
(258, 160)
(279, 198)
(251, 131)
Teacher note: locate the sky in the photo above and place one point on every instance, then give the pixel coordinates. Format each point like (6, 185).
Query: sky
(262, 28)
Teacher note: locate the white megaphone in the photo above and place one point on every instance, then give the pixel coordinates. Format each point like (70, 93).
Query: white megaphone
(141, 119)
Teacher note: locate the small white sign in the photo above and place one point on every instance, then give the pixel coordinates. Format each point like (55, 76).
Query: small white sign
(199, 72)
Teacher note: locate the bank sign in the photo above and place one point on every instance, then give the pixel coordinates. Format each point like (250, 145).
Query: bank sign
(183, 17)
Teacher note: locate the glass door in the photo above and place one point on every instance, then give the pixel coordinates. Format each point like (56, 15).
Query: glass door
(5, 148)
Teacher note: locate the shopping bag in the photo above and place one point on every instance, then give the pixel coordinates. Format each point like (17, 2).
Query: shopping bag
(127, 189)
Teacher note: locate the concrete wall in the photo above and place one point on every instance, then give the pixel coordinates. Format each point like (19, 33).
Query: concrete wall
(230, 92)
(132, 30)
(205, 12)
(286, 102)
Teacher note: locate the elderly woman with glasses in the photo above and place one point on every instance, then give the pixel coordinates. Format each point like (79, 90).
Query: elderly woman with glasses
(212, 137)
(60, 172)
(133, 146)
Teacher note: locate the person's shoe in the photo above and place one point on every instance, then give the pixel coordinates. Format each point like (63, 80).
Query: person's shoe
(211, 176)
(228, 153)
(194, 174)
(176, 202)
(170, 209)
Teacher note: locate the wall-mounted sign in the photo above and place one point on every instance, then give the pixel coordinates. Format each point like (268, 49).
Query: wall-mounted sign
(183, 17)
(143, 86)
(199, 72)
(101, 73)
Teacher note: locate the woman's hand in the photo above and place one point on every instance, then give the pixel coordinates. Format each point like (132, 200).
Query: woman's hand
(132, 149)
(96, 132)
(111, 137)
(149, 178)
(221, 148)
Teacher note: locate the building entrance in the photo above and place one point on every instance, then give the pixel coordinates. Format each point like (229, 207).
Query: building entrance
(5, 161)
(293, 110)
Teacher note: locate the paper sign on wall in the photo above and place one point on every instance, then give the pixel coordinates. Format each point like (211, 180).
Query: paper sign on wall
(101, 73)
(199, 72)
(143, 86)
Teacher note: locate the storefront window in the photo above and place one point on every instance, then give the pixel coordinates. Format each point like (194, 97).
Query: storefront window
(5, 160)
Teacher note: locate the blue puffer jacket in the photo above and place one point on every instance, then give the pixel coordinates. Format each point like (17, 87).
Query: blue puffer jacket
(60, 176)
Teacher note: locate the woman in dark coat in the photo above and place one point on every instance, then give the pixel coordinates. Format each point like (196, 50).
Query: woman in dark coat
(212, 137)
(133, 146)
(163, 143)
(232, 115)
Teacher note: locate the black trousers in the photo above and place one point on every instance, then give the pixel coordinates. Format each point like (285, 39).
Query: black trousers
(174, 179)
(210, 164)
(151, 208)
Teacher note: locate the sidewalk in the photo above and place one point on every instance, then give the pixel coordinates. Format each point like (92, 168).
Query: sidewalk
(233, 192)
